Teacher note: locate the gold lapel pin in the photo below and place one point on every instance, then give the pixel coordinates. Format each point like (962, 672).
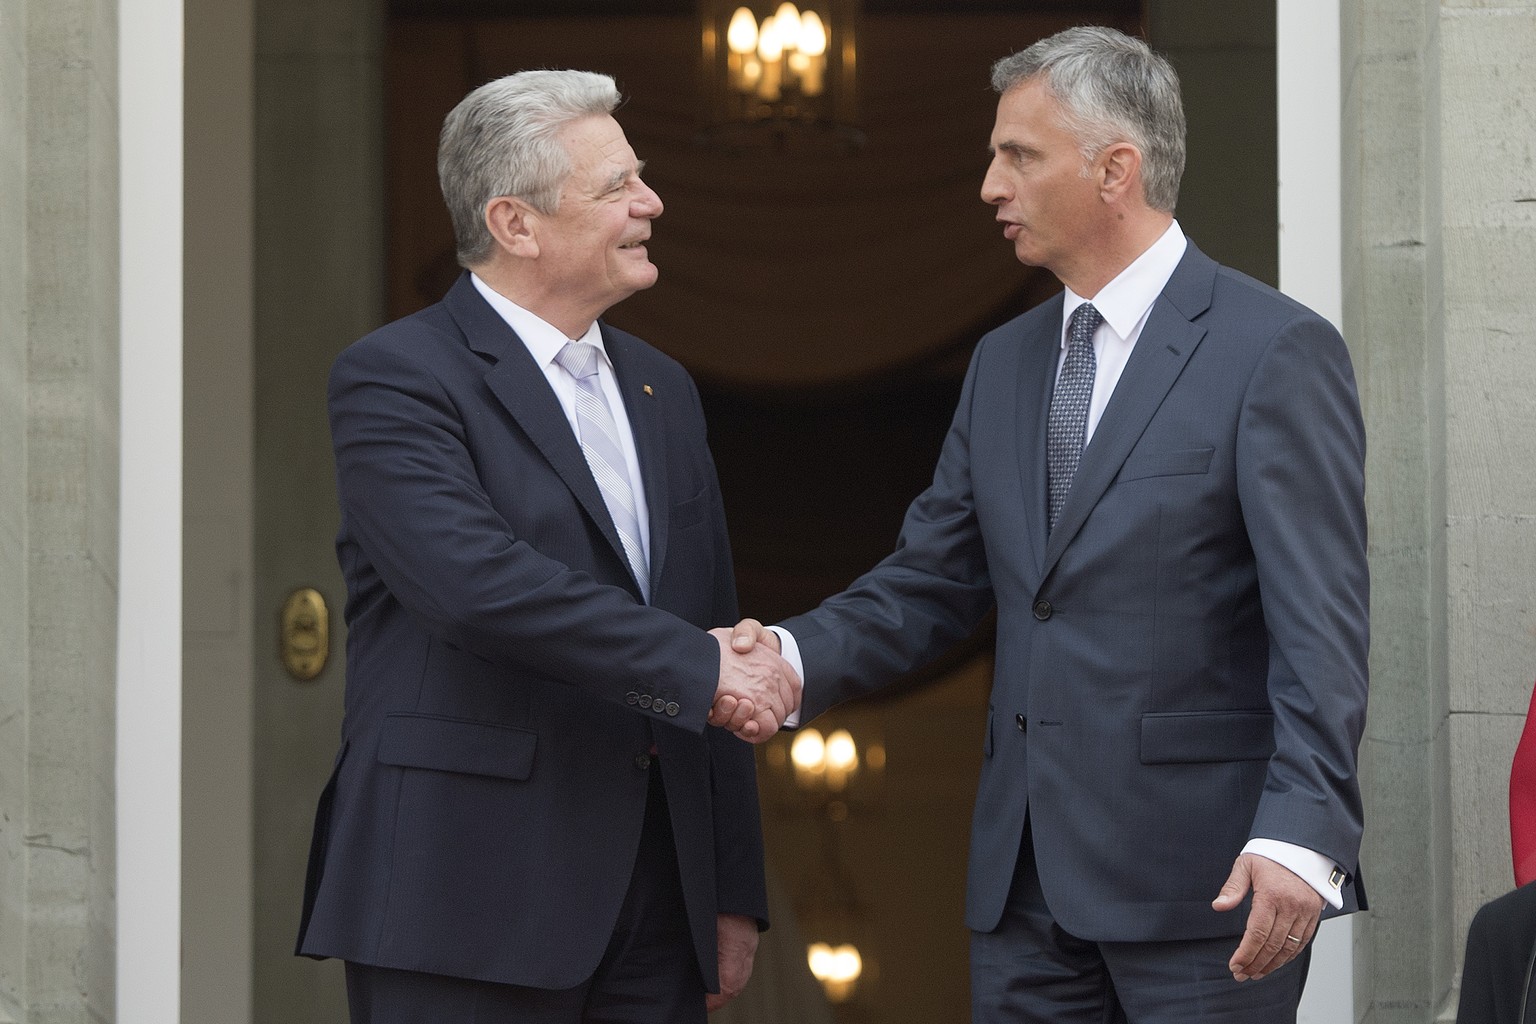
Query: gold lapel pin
(648, 390)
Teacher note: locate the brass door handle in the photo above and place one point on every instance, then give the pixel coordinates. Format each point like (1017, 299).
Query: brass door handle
(305, 641)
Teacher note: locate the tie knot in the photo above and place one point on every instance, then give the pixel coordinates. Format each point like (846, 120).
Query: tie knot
(1085, 320)
(579, 359)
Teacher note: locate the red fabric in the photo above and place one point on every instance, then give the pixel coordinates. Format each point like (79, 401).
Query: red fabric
(1522, 800)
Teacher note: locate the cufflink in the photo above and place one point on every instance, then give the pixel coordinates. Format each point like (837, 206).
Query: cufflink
(1336, 878)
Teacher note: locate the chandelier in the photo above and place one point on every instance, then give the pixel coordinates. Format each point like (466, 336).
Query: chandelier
(785, 78)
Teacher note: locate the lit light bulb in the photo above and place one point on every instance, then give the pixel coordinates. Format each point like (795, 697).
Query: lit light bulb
(836, 968)
(813, 34)
(809, 751)
(842, 753)
(786, 21)
(770, 41)
(741, 37)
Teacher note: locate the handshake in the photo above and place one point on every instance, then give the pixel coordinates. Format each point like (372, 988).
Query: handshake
(758, 689)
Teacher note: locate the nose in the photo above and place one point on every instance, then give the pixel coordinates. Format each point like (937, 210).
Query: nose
(994, 188)
(646, 202)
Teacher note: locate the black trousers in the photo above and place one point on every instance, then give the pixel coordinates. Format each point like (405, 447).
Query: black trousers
(648, 975)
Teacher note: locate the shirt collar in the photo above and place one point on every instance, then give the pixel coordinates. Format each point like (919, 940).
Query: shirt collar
(542, 339)
(1125, 300)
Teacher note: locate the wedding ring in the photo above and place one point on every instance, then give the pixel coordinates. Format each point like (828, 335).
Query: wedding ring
(1292, 938)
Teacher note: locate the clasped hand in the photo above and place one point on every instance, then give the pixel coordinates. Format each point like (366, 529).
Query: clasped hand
(758, 689)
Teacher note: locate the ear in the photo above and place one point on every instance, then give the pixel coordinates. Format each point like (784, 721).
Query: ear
(1119, 169)
(514, 225)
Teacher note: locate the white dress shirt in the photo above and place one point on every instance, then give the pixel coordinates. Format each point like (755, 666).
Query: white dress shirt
(544, 341)
(1125, 303)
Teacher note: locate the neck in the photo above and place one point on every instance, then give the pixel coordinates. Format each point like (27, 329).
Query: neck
(1127, 235)
(546, 304)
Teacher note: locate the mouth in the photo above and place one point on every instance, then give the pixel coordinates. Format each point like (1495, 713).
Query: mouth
(638, 243)
(1010, 229)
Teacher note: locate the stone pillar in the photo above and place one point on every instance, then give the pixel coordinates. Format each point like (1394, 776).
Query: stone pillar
(1439, 246)
(58, 507)
(15, 676)
(1484, 175)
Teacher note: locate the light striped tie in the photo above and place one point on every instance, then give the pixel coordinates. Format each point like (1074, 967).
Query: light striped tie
(600, 444)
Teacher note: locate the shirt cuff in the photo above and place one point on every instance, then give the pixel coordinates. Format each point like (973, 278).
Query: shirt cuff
(789, 650)
(1313, 868)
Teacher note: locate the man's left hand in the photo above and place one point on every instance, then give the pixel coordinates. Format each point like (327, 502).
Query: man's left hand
(1284, 917)
(736, 937)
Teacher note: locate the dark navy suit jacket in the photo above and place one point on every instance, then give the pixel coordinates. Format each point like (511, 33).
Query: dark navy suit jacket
(506, 687)
(1181, 663)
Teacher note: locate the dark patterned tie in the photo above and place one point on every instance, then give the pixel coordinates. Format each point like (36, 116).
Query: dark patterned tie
(1066, 430)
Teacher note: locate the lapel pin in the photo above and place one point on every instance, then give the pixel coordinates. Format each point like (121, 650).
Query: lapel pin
(648, 390)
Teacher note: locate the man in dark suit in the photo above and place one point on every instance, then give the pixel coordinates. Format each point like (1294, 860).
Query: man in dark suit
(528, 819)
(1157, 478)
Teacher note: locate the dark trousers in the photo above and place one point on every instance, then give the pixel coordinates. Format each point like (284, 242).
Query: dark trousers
(648, 975)
(1030, 971)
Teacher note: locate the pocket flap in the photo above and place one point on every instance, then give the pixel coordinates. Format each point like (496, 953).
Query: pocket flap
(457, 745)
(1174, 737)
(1184, 462)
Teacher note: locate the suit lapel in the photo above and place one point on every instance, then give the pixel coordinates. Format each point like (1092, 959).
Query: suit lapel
(1165, 346)
(645, 422)
(1038, 357)
(519, 384)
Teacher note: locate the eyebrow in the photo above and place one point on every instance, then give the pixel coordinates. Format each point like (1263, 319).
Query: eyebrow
(620, 177)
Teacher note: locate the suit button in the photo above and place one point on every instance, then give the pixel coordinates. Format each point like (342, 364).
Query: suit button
(642, 761)
(631, 698)
(645, 701)
(673, 708)
(1021, 722)
(1042, 610)
(659, 706)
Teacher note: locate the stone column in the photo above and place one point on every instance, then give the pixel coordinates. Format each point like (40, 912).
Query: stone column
(1439, 310)
(58, 507)
(15, 674)
(1484, 176)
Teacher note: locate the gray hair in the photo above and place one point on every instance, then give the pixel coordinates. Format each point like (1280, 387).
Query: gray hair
(1112, 88)
(503, 140)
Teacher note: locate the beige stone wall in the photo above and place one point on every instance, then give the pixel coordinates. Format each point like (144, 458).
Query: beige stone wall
(13, 509)
(58, 507)
(1440, 242)
(1486, 169)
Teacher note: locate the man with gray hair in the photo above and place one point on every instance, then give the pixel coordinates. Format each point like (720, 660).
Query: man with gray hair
(528, 819)
(1157, 479)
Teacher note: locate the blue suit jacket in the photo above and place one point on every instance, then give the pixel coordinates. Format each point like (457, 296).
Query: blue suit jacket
(505, 684)
(1181, 663)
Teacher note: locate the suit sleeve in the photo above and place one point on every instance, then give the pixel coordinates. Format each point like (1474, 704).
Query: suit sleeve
(1301, 486)
(410, 496)
(916, 603)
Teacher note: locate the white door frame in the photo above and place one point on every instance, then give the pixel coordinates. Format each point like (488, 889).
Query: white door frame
(1309, 125)
(148, 756)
